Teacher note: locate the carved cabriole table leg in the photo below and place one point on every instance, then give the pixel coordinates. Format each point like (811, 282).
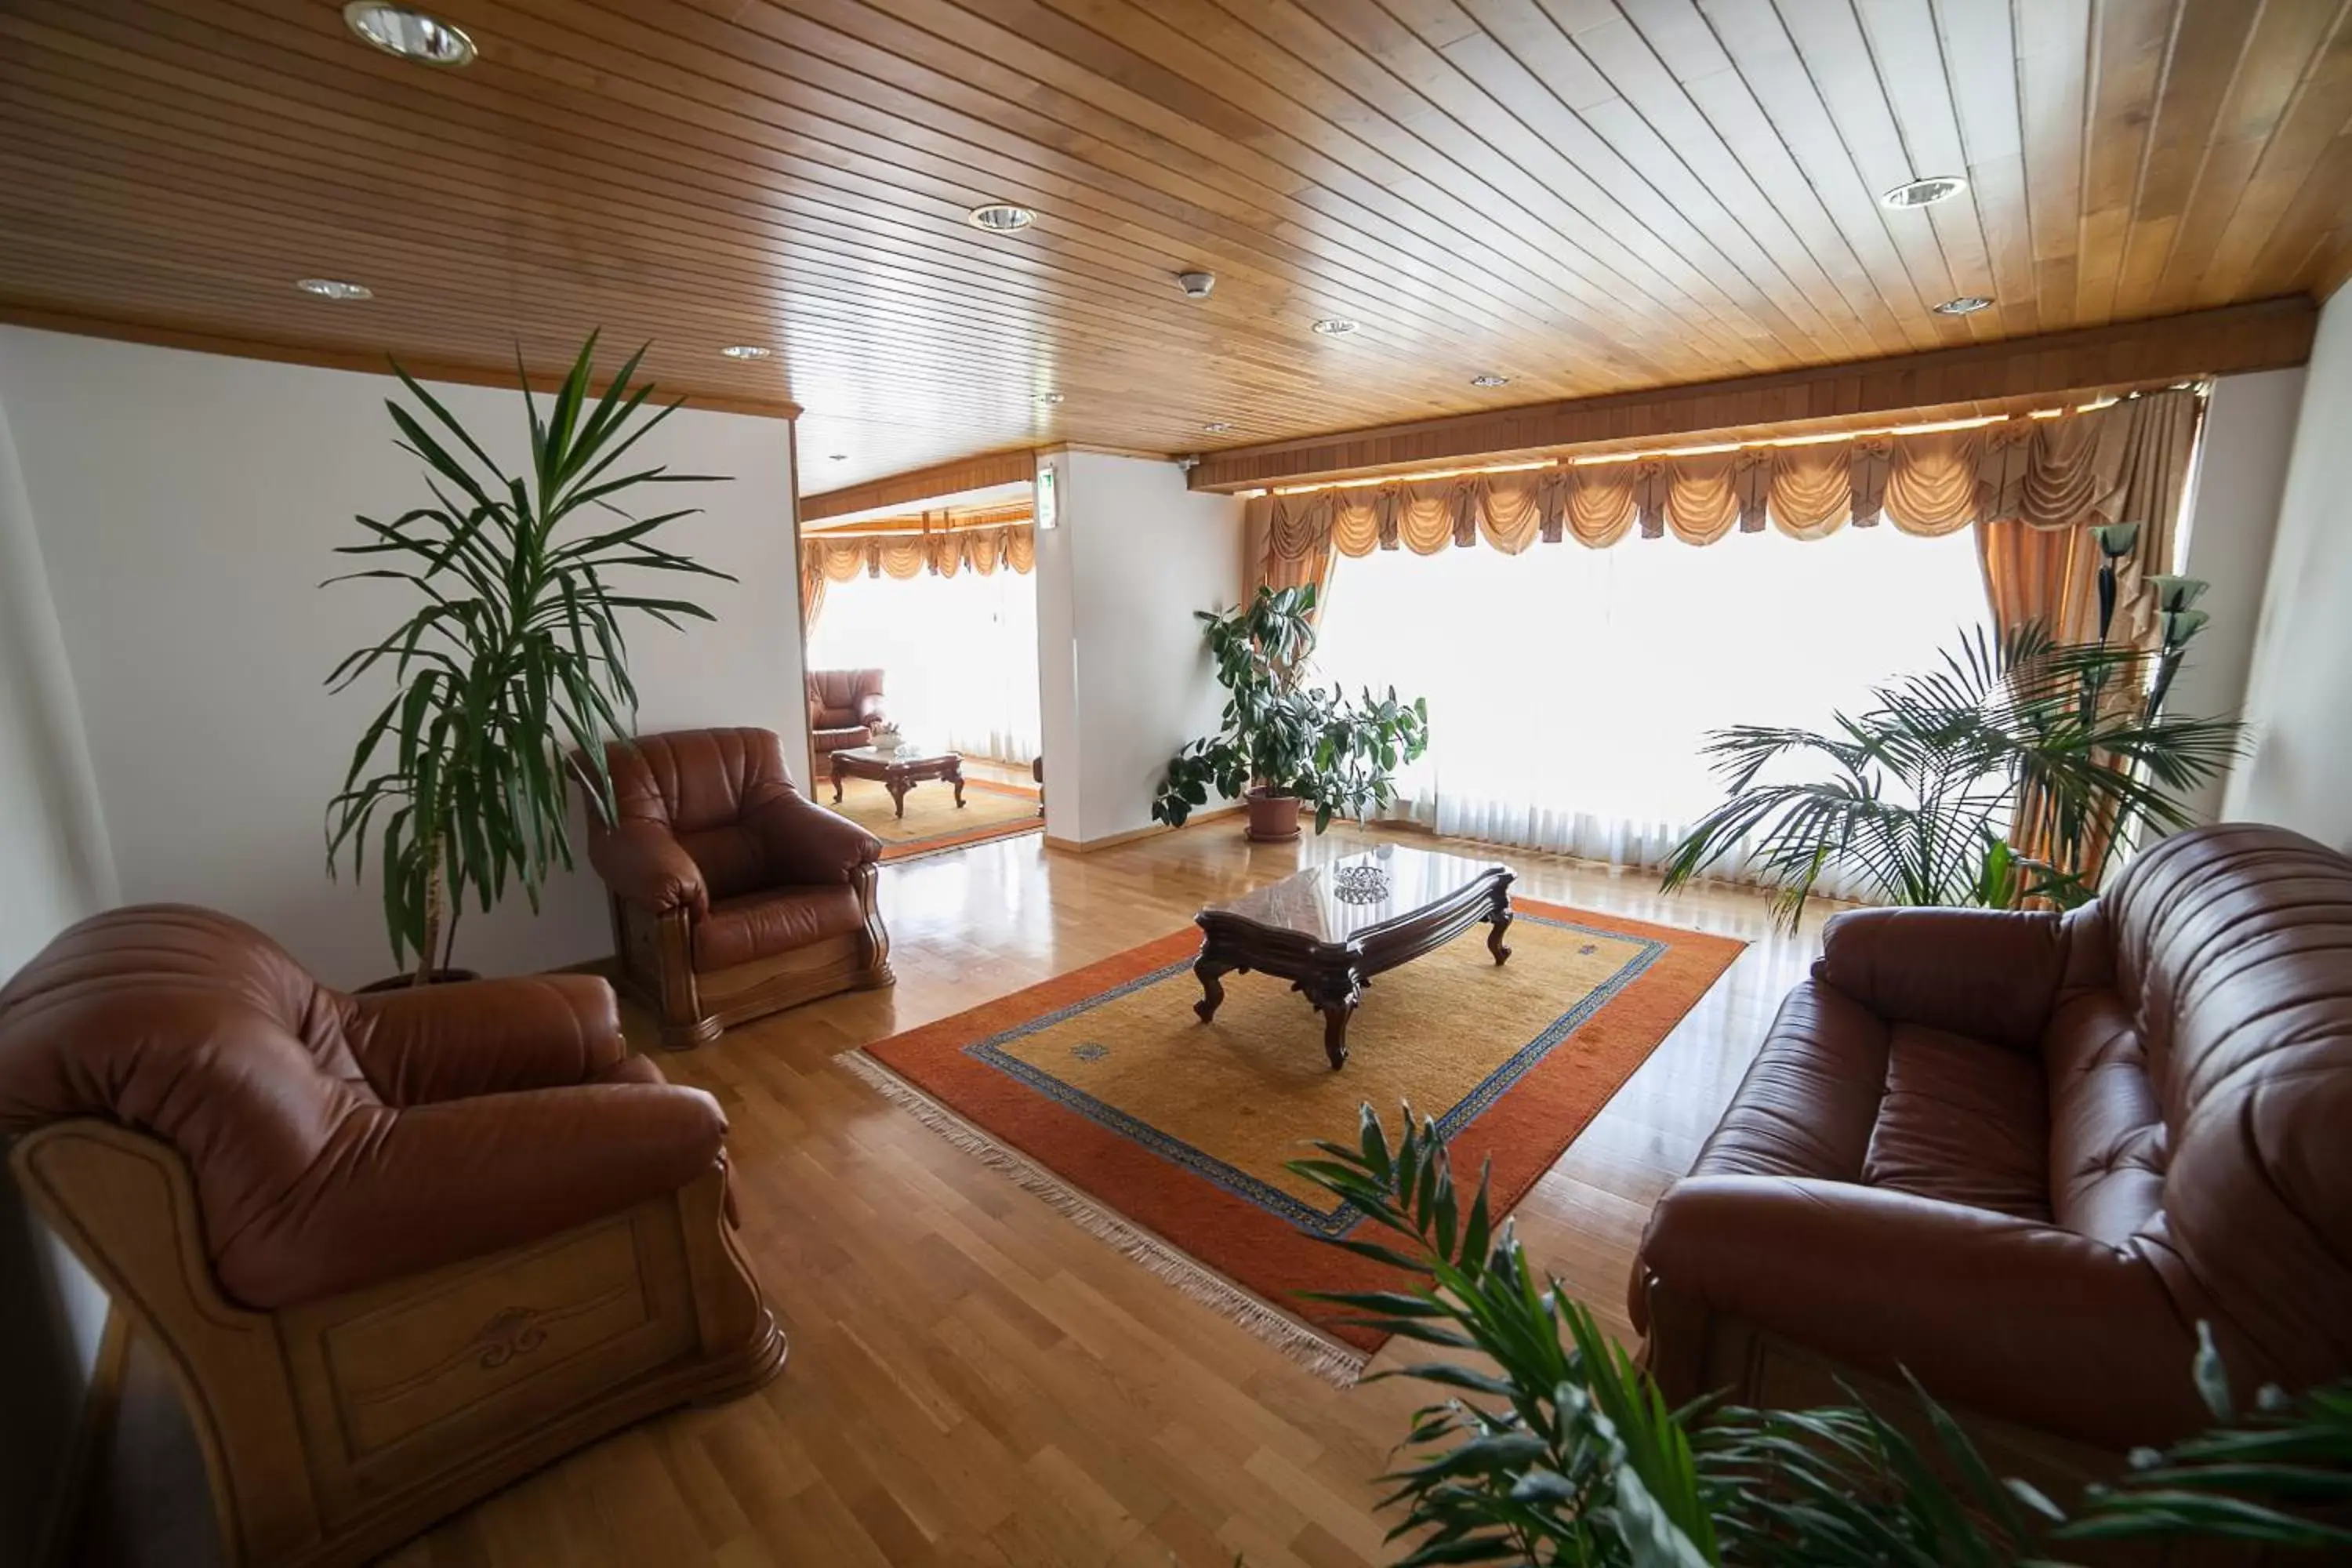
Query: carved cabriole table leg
(1498, 921)
(1335, 995)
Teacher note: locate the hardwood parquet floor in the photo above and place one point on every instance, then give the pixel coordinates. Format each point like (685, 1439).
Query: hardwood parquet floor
(973, 1379)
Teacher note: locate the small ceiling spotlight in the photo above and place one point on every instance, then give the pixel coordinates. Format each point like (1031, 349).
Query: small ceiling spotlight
(1196, 285)
(1049, 397)
(746, 350)
(1335, 326)
(1924, 193)
(1216, 427)
(411, 35)
(1000, 217)
(1966, 305)
(334, 289)
(1490, 379)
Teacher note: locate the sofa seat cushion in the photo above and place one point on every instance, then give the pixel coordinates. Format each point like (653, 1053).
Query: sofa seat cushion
(760, 925)
(1963, 1122)
(828, 740)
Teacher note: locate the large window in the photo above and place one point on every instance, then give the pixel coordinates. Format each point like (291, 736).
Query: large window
(1570, 690)
(959, 655)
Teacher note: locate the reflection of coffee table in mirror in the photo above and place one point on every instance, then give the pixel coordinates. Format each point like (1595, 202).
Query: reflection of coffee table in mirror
(1329, 929)
(897, 770)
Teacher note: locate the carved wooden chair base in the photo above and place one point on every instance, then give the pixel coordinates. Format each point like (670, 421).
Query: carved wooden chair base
(656, 955)
(334, 1430)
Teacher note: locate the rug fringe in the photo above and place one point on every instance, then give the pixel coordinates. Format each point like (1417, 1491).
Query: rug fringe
(1334, 1362)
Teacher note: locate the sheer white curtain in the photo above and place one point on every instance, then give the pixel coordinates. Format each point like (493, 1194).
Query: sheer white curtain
(1569, 688)
(959, 655)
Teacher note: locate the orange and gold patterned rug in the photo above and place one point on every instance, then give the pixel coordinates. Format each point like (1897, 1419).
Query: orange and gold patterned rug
(1102, 1091)
(933, 821)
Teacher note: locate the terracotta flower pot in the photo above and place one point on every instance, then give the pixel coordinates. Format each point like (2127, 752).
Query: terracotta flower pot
(1273, 818)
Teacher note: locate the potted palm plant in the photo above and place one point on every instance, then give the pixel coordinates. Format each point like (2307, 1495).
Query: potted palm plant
(1287, 742)
(1929, 788)
(515, 654)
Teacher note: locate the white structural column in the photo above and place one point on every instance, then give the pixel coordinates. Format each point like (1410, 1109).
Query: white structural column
(1124, 677)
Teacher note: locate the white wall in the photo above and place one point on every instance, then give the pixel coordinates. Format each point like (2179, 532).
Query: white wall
(2241, 464)
(2299, 699)
(1124, 677)
(189, 504)
(53, 870)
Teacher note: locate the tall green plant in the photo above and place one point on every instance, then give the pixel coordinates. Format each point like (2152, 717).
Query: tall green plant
(1283, 733)
(1557, 1448)
(515, 655)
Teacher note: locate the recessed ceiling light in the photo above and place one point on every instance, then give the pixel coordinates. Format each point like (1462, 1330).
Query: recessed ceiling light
(1215, 428)
(1000, 217)
(411, 35)
(1966, 305)
(1335, 326)
(1490, 379)
(746, 350)
(1049, 397)
(334, 289)
(1924, 193)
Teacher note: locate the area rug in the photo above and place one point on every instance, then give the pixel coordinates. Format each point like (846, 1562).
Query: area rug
(1101, 1091)
(933, 821)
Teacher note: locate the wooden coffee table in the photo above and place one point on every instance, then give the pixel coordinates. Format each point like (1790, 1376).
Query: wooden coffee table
(1330, 928)
(897, 770)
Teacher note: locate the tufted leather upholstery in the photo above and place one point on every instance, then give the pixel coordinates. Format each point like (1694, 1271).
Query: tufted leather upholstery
(339, 1141)
(2023, 1155)
(717, 862)
(844, 705)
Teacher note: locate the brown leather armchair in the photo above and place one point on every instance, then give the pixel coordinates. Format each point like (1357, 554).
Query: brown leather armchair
(2023, 1156)
(397, 1249)
(843, 707)
(733, 894)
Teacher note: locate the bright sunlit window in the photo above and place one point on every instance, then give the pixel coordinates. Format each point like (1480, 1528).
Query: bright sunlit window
(1570, 690)
(959, 655)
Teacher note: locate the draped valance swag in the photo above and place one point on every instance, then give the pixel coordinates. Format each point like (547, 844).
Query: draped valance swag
(2124, 462)
(943, 554)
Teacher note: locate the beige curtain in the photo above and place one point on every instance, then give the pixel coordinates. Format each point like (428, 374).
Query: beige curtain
(2040, 561)
(2058, 473)
(902, 555)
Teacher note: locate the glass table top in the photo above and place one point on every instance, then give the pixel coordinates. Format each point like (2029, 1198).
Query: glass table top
(1336, 900)
(909, 753)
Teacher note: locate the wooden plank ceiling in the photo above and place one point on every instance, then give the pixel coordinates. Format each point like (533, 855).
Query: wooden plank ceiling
(1583, 196)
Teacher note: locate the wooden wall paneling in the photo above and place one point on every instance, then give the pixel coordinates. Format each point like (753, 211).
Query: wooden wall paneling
(1592, 199)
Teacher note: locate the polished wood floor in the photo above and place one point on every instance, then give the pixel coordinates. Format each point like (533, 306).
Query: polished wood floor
(974, 1380)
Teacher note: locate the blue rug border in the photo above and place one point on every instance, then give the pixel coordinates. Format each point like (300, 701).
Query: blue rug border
(1343, 1218)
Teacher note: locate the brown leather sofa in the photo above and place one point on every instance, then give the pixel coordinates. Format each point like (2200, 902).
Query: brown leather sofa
(843, 707)
(397, 1249)
(733, 895)
(2023, 1156)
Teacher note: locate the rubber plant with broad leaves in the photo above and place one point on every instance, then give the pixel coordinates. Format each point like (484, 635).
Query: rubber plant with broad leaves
(1283, 734)
(516, 654)
(1557, 1448)
(1926, 787)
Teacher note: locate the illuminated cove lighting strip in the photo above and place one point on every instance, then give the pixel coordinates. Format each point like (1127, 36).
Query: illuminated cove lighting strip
(1826, 436)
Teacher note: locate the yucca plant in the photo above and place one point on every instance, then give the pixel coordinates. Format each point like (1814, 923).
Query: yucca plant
(516, 654)
(1557, 1448)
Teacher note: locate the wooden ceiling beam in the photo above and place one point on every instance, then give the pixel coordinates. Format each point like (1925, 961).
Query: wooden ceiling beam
(1981, 377)
(919, 484)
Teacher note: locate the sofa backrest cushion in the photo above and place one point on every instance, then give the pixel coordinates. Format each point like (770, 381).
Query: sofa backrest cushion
(2231, 959)
(701, 784)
